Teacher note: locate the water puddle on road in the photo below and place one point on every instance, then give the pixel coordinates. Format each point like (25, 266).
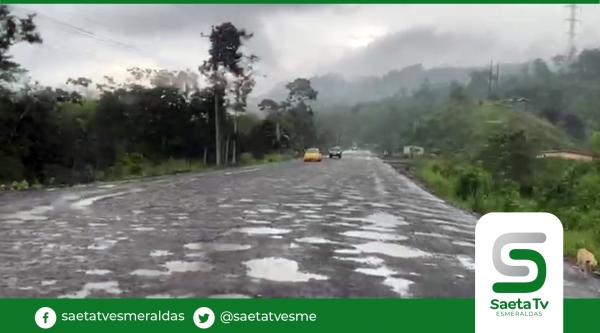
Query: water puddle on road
(314, 217)
(279, 269)
(267, 210)
(257, 222)
(373, 235)
(454, 229)
(97, 272)
(159, 296)
(111, 287)
(373, 261)
(102, 244)
(213, 247)
(185, 266)
(263, 231)
(462, 243)
(139, 228)
(431, 234)
(160, 253)
(379, 271)
(89, 201)
(392, 250)
(229, 296)
(380, 205)
(466, 262)
(342, 224)
(437, 221)
(13, 221)
(339, 203)
(48, 283)
(399, 286)
(386, 220)
(348, 251)
(314, 240)
(148, 272)
(34, 214)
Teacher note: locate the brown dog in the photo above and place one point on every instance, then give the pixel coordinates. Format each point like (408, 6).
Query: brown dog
(586, 260)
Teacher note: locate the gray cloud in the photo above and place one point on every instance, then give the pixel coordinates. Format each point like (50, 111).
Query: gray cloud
(295, 40)
(418, 45)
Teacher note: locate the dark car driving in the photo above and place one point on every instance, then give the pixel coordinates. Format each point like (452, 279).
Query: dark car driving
(335, 151)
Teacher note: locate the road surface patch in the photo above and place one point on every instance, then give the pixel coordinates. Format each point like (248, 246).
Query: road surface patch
(279, 269)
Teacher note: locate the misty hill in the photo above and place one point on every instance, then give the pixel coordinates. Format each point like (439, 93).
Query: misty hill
(336, 90)
(467, 129)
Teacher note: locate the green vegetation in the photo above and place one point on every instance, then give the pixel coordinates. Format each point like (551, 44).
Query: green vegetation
(156, 122)
(486, 137)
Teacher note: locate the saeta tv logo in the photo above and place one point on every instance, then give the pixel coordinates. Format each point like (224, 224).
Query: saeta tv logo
(519, 254)
(518, 272)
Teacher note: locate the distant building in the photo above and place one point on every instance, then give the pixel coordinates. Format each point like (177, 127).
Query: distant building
(413, 150)
(566, 154)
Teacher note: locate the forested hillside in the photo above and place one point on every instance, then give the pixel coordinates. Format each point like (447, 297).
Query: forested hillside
(157, 121)
(338, 90)
(486, 140)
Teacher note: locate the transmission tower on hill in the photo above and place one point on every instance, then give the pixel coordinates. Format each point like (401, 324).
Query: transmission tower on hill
(572, 48)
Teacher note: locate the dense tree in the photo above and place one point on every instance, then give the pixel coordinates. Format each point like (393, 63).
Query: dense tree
(155, 118)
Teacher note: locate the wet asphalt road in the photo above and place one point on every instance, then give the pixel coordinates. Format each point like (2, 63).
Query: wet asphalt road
(337, 229)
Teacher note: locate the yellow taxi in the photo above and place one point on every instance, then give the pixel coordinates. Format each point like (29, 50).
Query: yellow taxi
(313, 155)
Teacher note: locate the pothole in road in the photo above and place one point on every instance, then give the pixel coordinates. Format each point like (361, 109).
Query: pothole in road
(111, 287)
(347, 251)
(212, 247)
(97, 272)
(89, 201)
(454, 229)
(376, 228)
(175, 267)
(380, 205)
(437, 221)
(257, 222)
(374, 235)
(466, 262)
(184, 266)
(379, 271)
(392, 250)
(432, 234)
(102, 245)
(160, 253)
(279, 269)
(139, 228)
(314, 216)
(267, 210)
(229, 296)
(314, 240)
(13, 222)
(373, 261)
(263, 231)
(462, 243)
(148, 272)
(34, 214)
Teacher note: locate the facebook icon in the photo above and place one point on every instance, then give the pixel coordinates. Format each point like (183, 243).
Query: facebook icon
(45, 317)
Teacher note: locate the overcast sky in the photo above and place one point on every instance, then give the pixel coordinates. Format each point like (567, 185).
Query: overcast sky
(296, 40)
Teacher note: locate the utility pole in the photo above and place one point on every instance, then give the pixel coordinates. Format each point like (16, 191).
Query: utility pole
(491, 78)
(215, 68)
(497, 74)
(572, 48)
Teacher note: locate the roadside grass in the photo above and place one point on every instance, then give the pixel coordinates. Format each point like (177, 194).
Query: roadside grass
(442, 177)
(133, 167)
